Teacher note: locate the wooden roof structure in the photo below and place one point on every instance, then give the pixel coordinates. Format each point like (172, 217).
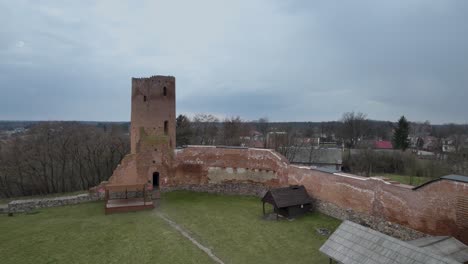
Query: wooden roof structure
(355, 244)
(287, 196)
(125, 203)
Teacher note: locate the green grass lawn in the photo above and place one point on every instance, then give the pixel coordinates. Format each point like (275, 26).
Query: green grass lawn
(406, 179)
(230, 225)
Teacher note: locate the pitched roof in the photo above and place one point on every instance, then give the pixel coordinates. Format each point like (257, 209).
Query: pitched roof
(451, 177)
(288, 196)
(355, 244)
(454, 177)
(444, 246)
(309, 155)
(382, 144)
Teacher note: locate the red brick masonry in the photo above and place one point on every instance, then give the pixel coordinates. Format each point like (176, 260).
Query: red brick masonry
(435, 209)
(438, 208)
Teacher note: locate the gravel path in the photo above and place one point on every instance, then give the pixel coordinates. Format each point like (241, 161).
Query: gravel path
(189, 237)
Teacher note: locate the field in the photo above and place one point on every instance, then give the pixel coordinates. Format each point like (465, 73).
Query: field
(231, 226)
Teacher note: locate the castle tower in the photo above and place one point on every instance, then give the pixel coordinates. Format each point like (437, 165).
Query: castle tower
(153, 113)
(153, 127)
(152, 134)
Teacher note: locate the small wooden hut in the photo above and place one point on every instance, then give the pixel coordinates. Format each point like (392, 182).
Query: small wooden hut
(290, 202)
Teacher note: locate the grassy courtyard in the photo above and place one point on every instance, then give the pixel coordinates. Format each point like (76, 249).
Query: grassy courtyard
(231, 226)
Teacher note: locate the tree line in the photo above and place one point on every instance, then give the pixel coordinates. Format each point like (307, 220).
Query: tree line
(55, 157)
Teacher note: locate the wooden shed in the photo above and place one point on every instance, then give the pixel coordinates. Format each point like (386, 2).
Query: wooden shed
(290, 202)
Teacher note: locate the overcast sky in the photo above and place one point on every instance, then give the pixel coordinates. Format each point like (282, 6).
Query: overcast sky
(285, 60)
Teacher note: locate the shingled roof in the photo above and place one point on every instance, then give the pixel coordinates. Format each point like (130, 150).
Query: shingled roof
(355, 244)
(288, 196)
(445, 246)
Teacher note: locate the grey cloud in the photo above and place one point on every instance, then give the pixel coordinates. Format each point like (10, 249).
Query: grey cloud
(288, 60)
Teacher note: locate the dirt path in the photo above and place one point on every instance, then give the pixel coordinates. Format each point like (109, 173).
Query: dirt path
(189, 237)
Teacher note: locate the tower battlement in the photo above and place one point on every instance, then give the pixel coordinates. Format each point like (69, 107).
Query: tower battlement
(154, 77)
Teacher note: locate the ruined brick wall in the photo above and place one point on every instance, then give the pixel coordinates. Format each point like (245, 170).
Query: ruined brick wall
(432, 209)
(439, 208)
(229, 188)
(209, 165)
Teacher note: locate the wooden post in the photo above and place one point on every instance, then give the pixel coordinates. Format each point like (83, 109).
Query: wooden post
(263, 208)
(106, 198)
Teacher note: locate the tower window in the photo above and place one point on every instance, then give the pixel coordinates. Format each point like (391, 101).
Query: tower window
(144, 98)
(164, 91)
(165, 127)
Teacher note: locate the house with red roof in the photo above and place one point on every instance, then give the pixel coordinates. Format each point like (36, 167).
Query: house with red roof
(383, 144)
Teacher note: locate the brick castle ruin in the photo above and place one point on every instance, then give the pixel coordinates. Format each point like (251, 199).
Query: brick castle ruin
(437, 208)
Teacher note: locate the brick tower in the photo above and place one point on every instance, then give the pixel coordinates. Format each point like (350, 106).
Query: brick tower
(153, 127)
(153, 112)
(152, 133)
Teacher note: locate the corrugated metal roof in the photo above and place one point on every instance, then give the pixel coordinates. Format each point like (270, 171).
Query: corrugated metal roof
(446, 246)
(355, 244)
(309, 155)
(327, 170)
(455, 177)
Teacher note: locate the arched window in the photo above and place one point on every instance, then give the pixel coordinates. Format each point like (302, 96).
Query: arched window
(144, 98)
(165, 127)
(164, 91)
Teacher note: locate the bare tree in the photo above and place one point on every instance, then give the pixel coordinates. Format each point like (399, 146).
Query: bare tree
(263, 127)
(353, 128)
(232, 130)
(183, 130)
(205, 129)
(59, 157)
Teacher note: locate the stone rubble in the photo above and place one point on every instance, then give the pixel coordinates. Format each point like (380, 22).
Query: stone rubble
(19, 206)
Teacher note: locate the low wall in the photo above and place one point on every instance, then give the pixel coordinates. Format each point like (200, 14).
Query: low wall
(31, 204)
(376, 223)
(232, 188)
(433, 209)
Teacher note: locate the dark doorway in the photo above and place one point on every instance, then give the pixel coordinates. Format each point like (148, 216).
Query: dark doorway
(156, 180)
